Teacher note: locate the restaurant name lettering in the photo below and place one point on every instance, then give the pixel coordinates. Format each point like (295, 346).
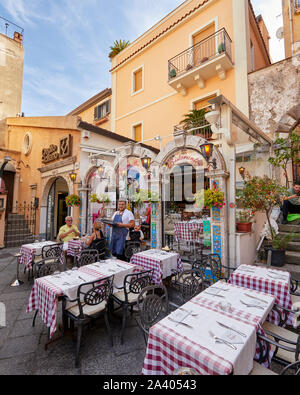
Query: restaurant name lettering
(179, 158)
(55, 152)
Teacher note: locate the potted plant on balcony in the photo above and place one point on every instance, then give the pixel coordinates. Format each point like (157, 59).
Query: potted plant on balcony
(73, 201)
(243, 221)
(194, 119)
(221, 48)
(172, 73)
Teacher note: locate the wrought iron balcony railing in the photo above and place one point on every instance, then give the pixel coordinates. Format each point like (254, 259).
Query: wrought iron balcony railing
(10, 29)
(211, 47)
(199, 128)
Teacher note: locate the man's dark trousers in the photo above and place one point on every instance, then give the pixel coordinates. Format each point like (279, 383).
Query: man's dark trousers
(290, 208)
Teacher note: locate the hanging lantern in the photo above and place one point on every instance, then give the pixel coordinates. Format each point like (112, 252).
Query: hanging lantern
(146, 162)
(73, 176)
(242, 172)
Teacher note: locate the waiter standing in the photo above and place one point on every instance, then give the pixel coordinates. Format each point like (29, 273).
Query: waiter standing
(123, 220)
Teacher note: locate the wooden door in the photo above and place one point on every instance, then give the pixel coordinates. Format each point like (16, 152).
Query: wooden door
(9, 178)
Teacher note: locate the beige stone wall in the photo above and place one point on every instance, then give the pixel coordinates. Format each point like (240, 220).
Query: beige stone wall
(11, 76)
(273, 92)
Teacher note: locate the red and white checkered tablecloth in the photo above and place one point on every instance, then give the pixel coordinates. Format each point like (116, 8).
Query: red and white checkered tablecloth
(278, 288)
(44, 297)
(75, 247)
(149, 262)
(29, 251)
(183, 231)
(169, 350)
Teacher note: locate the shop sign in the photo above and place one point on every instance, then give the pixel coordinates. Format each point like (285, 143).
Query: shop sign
(55, 152)
(190, 157)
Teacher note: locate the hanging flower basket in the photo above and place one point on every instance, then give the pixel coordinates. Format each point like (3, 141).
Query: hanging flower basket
(102, 198)
(73, 200)
(211, 198)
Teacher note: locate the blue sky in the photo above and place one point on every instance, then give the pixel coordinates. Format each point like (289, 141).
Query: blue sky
(67, 42)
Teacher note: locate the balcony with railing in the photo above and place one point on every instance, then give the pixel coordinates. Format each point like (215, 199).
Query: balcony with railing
(11, 30)
(197, 128)
(209, 58)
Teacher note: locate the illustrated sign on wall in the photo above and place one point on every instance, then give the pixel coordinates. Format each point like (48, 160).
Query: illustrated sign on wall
(55, 152)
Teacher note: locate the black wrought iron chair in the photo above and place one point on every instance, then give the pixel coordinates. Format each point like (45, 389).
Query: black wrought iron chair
(153, 306)
(188, 284)
(285, 345)
(218, 270)
(52, 251)
(47, 267)
(100, 246)
(91, 302)
(127, 295)
(131, 248)
(88, 257)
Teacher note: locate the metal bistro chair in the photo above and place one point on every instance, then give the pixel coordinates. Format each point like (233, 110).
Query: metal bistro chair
(189, 283)
(44, 268)
(52, 251)
(91, 302)
(286, 347)
(218, 270)
(131, 248)
(127, 295)
(153, 306)
(88, 257)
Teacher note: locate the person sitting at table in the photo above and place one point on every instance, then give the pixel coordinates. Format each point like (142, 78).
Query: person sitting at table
(69, 231)
(136, 234)
(123, 220)
(291, 203)
(91, 241)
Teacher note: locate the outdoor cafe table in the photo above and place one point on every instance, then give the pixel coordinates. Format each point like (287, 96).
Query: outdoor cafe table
(185, 230)
(29, 251)
(75, 247)
(163, 263)
(47, 290)
(271, 281)
(189, 344)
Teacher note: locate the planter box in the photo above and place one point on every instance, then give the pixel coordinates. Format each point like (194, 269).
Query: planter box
(243, 227)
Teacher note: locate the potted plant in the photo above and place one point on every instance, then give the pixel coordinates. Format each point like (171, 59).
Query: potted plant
(73, 200)
(102, 198)
(278, 248)
(118, 47)
(172, 73)
(221, 48)
(243, 221)
(194, 119)
(210, 198)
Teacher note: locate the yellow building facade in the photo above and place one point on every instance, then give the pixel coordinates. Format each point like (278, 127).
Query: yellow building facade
(291, 23)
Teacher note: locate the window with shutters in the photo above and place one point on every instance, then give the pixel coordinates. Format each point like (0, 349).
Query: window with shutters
(102, 110)
(138, 80)
(203, 103)
(137, 132)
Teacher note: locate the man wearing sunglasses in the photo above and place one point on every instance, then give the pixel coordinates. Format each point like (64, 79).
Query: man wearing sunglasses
(69, 231)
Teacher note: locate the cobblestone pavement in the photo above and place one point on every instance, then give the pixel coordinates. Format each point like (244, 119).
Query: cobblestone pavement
(22, 349)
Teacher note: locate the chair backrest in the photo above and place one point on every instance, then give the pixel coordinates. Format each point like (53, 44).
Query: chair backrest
(52, 251)
(191, 284)
(88, 257)
(136, 282)
(48, 266)
(132, 247)
(153, 305)
(99, 245)
(94, 293)
(215, 265)
(294, 366)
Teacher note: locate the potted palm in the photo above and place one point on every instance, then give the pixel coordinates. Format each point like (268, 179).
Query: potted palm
(196, 119)
(117, 48)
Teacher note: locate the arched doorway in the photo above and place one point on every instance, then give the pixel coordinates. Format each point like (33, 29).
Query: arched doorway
(56, 207)
(7, 184)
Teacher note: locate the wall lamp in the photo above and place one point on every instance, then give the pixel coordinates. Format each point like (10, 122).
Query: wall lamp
(146, 162)
(73, 177)
(207, 150)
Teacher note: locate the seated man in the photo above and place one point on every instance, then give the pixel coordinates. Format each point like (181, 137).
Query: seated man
(291, 203)
(69, 231)
(136, 234)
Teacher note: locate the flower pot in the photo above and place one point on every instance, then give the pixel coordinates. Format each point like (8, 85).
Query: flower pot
(277, 258)
(244, 227)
